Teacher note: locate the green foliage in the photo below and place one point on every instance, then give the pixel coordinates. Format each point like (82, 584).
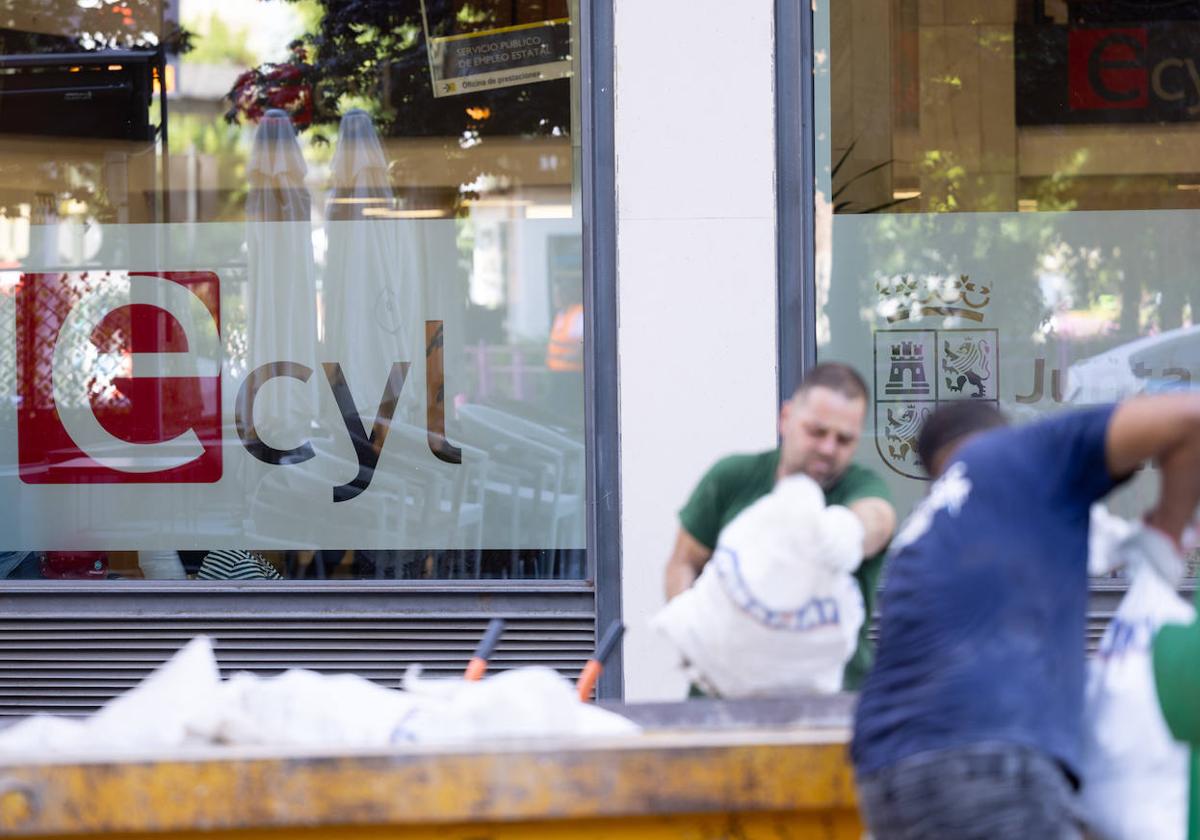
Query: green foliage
(840, 185)
(224, 144)
(218, 43)
(371, 54)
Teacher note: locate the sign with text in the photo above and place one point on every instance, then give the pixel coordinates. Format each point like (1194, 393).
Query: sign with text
(1125, 73)
(471, 62)
(182, 397)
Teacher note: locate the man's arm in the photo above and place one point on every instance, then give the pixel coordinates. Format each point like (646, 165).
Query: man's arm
(879, 523)
(685, 564)
(1164, 429)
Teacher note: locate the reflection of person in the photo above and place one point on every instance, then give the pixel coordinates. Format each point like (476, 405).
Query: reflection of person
(564, 349)
(819, 429)
(235, 564)
(1177, 677)
(970, 723)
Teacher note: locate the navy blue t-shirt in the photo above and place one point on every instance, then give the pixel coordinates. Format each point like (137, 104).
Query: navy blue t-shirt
(984, 605)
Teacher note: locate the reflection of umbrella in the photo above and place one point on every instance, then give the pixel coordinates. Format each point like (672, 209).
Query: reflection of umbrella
(372, 278)
(281, 291)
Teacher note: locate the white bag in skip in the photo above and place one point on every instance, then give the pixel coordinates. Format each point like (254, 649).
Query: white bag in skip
(1135, 775)
(532, 702)
(776, 609)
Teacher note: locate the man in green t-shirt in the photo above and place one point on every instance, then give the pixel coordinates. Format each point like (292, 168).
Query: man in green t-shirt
(819, 429)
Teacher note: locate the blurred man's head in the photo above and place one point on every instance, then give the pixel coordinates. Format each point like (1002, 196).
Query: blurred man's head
(949, 427)
(820, 425)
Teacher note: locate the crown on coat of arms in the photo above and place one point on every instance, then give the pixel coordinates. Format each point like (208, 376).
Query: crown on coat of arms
(908, 297)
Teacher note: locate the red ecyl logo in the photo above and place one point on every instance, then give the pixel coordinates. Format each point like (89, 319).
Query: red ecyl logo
(119, 377)
(1106, 69)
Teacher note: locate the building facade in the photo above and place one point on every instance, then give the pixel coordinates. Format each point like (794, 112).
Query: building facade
(335, 335)
(969, 200)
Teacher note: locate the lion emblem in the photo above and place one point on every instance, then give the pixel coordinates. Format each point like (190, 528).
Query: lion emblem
(968, 364)
(901, 433)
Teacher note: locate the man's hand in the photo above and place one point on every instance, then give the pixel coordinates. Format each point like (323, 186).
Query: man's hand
(685, 564)
(1164, 429)
(879, 523)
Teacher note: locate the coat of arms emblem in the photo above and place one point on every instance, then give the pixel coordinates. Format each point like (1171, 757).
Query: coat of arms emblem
(917, 369)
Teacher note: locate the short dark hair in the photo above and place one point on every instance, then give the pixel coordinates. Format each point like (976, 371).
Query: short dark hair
(837, 377)
(952, 422)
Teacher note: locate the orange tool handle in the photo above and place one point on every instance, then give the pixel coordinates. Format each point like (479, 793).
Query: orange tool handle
(587, 680)
(478, 665)
(476, 668)
(595, 666)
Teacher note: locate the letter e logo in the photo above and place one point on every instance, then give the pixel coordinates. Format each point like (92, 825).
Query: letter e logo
(1107, 69)
(119, 378)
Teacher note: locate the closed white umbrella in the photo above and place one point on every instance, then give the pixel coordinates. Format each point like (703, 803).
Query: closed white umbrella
(372, 296)
(281, 286)
(372, 280)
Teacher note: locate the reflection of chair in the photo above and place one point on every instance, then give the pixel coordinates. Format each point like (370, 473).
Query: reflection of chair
(276, 521)
(536, 479)
(413, 501)
(444, 499)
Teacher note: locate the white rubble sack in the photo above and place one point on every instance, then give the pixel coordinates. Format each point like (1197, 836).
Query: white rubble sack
(1116, 543)
(306, 709)
(776, 609)
(1106, 532)
(177, 704)
(184, 703)
(1135, 775)
(530, 702)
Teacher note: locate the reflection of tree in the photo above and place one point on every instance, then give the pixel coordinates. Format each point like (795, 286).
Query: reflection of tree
(371, 54)
(843, 181)
(224, 146)
(1101, 276)
(1131, 290)
(1176, 292)
(1136, 274)
(1146, 266)
(999, 255)
(216, 42)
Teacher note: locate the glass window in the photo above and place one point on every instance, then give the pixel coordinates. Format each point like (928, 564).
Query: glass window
(291, 290)
(1007, 194)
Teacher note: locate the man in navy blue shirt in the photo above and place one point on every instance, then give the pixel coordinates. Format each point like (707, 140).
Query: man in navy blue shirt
(969, 726)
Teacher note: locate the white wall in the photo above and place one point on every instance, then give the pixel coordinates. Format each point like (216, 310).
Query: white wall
(696, 276)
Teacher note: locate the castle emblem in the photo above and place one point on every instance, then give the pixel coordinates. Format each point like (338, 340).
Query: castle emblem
(907, 374)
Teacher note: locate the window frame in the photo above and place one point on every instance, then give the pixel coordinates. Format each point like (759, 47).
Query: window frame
(601, 589)
(795, 196)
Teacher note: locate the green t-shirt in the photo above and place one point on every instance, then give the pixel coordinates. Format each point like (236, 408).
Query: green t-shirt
(1177, 678)
(736, 482)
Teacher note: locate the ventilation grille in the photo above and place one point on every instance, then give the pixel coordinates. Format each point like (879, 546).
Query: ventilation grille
(72, 666)
(1097, 623)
